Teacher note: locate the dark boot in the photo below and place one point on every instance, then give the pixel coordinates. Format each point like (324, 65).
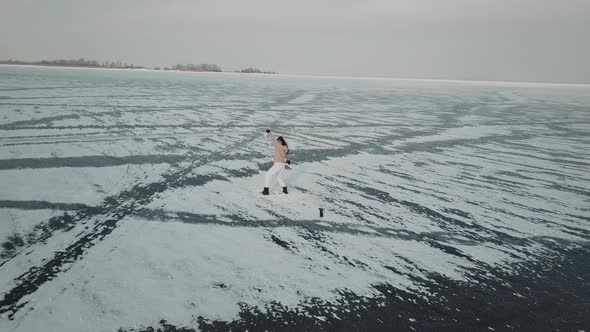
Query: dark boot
(285, 190)
(265, 191)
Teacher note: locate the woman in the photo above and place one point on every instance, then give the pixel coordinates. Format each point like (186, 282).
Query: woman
(281, 150)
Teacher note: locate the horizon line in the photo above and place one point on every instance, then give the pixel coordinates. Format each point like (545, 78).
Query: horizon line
(380, 78)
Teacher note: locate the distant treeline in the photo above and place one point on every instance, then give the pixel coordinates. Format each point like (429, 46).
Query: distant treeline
(201, 67)
(82, 62)
(251, 70)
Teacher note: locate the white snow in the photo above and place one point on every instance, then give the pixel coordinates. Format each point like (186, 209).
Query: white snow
(399, 167)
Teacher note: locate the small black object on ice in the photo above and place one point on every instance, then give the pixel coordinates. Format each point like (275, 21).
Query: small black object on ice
(321, 212)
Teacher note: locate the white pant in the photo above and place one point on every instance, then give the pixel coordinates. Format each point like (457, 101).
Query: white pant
(277, 169)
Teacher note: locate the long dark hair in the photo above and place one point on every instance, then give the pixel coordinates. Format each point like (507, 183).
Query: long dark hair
(283, 142)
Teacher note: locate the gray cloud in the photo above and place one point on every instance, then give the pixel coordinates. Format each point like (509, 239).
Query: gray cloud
(522, 40)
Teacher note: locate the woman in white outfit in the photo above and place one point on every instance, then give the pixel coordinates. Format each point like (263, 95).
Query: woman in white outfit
(281, 150)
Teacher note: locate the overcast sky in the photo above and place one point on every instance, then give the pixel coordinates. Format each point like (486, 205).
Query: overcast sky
(508, 40)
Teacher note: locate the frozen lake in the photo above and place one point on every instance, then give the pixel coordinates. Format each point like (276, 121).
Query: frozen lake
(131, 199)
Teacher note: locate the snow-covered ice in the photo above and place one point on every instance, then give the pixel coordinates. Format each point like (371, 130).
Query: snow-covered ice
(128, 198)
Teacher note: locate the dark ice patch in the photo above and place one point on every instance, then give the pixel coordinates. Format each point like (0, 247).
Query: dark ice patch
(89, 161)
